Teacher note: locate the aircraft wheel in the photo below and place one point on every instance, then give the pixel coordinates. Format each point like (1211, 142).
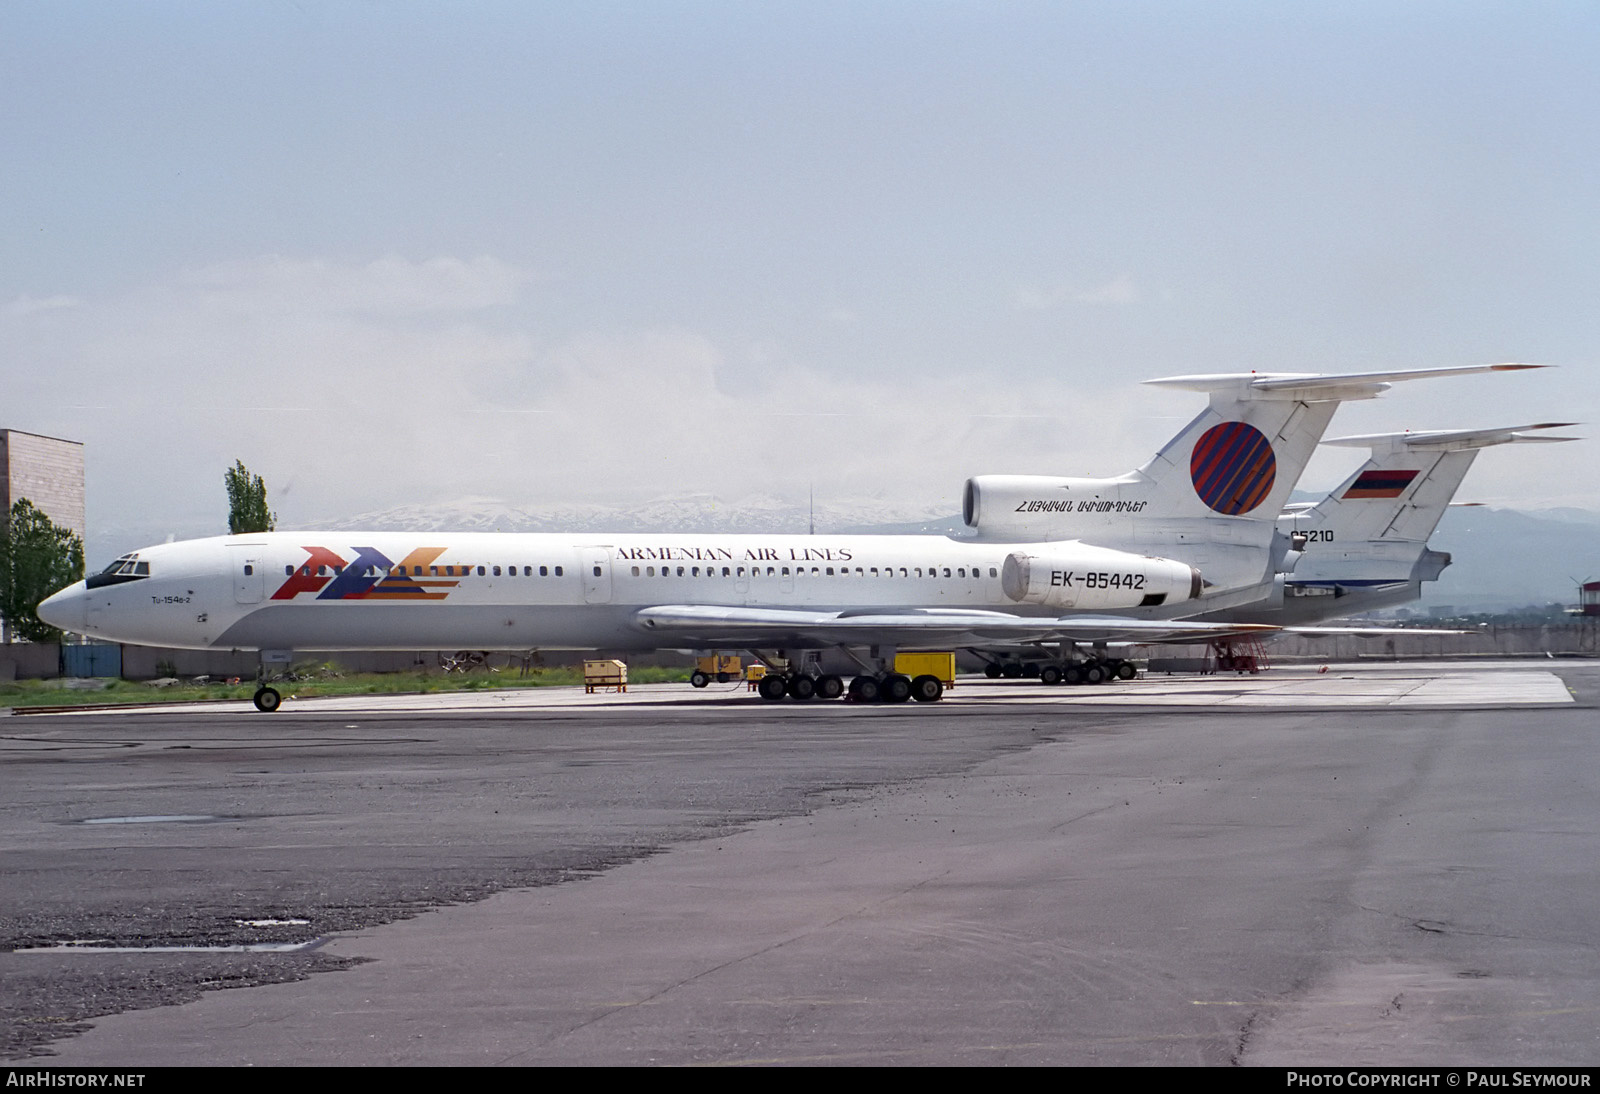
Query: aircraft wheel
(772, 687)
(992, 671)
(1093, 674)
(267, 700)
(1050, 675)
(699, 679)
(1126, 670)
(1011, 670)
(829, 687)
(864, 689)
(802, 687)
(927, 689)
(1072, 674)
(895, 689)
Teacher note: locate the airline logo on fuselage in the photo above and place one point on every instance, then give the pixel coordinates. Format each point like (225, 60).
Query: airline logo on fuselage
(1233, 468)
(371, 575)
(1088, 505)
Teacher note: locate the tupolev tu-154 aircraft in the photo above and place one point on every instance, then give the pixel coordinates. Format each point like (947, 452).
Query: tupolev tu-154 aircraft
(1049, 560)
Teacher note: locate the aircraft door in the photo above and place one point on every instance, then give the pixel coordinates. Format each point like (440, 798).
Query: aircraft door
(94, 611)
(596, 575)
(249, 572)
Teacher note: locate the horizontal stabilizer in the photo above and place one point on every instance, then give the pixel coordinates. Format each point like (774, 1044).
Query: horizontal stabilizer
(1314, 387)
(1453, 440)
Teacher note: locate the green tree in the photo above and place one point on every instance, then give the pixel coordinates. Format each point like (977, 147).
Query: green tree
(36, 559)
(247, 502)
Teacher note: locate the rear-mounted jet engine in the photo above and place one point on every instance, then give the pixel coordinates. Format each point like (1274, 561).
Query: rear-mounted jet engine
(1082, 577)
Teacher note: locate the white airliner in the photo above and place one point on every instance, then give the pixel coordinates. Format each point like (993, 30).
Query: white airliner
(1050, 560)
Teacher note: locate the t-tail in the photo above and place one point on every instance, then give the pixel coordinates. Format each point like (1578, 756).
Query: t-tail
(1373, 529)
(1213, 493)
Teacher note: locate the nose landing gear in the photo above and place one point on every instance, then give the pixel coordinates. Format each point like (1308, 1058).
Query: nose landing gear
(268, 699)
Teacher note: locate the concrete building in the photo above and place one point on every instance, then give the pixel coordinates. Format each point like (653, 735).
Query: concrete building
(48, 472)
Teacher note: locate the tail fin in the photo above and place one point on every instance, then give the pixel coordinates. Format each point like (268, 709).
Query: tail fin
(1375, 525)
(1246, 452)
(1213, 493)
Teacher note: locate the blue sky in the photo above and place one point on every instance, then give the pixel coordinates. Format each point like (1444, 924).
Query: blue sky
(391, 253)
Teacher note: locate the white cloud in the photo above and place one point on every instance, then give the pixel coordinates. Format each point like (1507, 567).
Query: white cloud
(29, 305)
(347, 402)
(358, 386)
(1120, 290)
(390, 286)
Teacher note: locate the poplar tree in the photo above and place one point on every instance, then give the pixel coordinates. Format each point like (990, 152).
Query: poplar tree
(247, 502)
(37, 558)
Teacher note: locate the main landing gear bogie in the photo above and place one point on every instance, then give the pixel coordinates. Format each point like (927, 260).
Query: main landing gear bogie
(892, 688)
(1072, 673)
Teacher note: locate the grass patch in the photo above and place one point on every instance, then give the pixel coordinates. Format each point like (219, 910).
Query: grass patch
(318, 682)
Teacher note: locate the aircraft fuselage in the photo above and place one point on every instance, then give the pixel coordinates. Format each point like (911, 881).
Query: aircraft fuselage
(390, 590)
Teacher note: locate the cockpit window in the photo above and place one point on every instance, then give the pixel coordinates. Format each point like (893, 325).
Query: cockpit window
(126, 568)
(125, 565)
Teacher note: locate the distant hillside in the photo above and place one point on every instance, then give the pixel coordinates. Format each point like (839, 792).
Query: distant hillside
(1504, 558)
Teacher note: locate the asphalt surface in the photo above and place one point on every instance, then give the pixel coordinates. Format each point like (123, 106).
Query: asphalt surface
(716, 879)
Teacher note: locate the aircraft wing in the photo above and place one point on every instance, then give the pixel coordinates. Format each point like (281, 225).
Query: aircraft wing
(1369, 631)
(705, 625)
(1251, 630)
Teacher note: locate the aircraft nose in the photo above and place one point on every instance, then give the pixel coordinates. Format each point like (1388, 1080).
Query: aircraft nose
(68, 609)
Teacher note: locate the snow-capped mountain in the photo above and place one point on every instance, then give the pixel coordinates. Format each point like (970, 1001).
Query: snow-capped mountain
(679, 513)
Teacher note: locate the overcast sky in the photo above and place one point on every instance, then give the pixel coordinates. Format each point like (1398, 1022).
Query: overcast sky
(393, 253)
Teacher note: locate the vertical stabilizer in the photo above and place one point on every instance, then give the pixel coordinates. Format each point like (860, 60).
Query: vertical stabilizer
(1375, 525)
(1212, 495)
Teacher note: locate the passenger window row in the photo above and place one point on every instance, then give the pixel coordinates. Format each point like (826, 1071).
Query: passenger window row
(648, 571)
(418, 571)
(814, 571)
